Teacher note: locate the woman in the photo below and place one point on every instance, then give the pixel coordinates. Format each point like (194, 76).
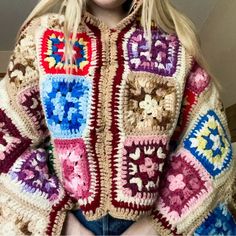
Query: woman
(110, 117)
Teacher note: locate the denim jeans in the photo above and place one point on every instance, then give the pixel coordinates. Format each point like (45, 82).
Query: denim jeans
(106, 225)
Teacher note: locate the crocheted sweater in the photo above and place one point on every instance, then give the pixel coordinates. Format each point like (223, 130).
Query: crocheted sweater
(130, 132)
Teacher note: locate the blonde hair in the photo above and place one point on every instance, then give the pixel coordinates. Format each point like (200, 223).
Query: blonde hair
(161, 12)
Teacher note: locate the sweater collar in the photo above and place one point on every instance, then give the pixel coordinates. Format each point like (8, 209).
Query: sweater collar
(89, 18)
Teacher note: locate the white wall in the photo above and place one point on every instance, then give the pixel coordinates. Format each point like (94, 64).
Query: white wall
(218, 35)
(197, 10)
(219, 46)
(4, 59)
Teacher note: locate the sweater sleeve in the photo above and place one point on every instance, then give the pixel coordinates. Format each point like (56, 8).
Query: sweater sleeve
(196, 188)
(32, 200)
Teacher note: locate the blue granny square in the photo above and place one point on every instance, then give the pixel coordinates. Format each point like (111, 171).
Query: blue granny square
(209, 143)
(219, 223)
(66, 100)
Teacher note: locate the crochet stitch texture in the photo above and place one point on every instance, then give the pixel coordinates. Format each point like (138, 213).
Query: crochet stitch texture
(128, 132)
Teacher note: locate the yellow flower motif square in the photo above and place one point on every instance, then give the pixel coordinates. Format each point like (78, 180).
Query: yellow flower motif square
(209, 143)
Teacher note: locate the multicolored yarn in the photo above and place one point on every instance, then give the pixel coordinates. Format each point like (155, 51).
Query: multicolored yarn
(209, 144)
(32, 172)
(74, 163)
(12, 144)
(138, 174)
(186, 184)
(199, 174)
(101, 138)
(53, 49)
(219, 222)
(163, 57)
(32, 200)
(66, 101)
(149, 104)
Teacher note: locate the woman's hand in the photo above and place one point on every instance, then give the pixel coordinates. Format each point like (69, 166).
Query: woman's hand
(74, 228)
(141, 227)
